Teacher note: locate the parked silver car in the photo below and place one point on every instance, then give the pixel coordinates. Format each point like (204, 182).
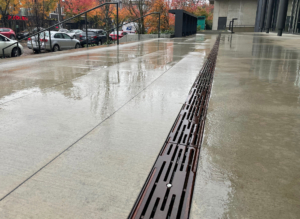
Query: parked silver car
(75, 33)
(12, 51)
(59, 41)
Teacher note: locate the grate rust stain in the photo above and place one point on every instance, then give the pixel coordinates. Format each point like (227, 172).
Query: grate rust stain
(168, 191)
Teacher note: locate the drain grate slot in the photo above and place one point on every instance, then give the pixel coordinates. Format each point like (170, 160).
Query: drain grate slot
(154, 208)
(161, 169)
(165, 199)
(148, 202)
(180, 205)
(168, 190)
(171, 207)
(168, 171)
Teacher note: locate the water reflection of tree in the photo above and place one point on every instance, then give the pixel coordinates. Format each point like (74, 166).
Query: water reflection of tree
(63, 76)
(39, 76)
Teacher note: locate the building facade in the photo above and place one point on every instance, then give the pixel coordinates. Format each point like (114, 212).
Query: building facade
(278, 15)
(281, 16)
(226, 10)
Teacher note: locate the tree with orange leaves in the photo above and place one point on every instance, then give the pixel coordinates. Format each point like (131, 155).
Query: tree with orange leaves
(152, 20)
(74, 7)
(8, 7)
(39, 10)
(139, 9)
(101, 16)
(124, 15)
(187, 5)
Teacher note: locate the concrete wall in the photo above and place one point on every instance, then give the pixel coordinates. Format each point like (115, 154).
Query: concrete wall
(135, 37)
(243, 10)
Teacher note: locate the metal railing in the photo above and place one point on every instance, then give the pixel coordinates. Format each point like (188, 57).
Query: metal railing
(231, 23)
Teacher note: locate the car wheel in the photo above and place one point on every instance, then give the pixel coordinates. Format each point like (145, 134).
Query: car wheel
(12, 37)
(55, 48)
(36, 51)
(77, 46)
(15, 52)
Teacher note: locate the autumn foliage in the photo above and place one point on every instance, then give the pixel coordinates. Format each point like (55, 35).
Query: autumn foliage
(200, 8)
(7, 7)
(74, 7)
(152, 20)
(131, 11)
(106, 16)
(38, 8)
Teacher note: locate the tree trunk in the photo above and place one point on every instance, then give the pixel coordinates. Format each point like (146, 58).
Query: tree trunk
(106, 18)
(4, 20)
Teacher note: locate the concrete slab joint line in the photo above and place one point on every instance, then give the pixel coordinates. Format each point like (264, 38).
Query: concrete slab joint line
(168, 190)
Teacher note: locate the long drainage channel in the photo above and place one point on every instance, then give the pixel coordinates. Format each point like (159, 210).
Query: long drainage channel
(168, 190)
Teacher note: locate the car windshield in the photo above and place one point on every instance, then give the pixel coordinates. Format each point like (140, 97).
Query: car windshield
(3, 38)
(44, 34)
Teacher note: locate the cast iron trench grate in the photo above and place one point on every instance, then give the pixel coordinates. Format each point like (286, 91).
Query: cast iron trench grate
(168, 190)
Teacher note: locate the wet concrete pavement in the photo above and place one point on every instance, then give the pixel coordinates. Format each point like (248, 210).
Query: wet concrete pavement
(250, 165)
(80, 131)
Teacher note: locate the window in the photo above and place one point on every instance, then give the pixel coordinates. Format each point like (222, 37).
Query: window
(46, 34)
(2, 38)
(66, 36)
(58, 35)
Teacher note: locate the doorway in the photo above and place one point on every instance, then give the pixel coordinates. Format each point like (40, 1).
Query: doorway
(222, 23)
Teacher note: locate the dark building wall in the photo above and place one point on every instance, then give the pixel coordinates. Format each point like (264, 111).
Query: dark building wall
(185, 23)
(290, 21)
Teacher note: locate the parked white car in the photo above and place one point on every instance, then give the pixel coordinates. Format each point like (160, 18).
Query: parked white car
(59, 41)
(12, 51)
